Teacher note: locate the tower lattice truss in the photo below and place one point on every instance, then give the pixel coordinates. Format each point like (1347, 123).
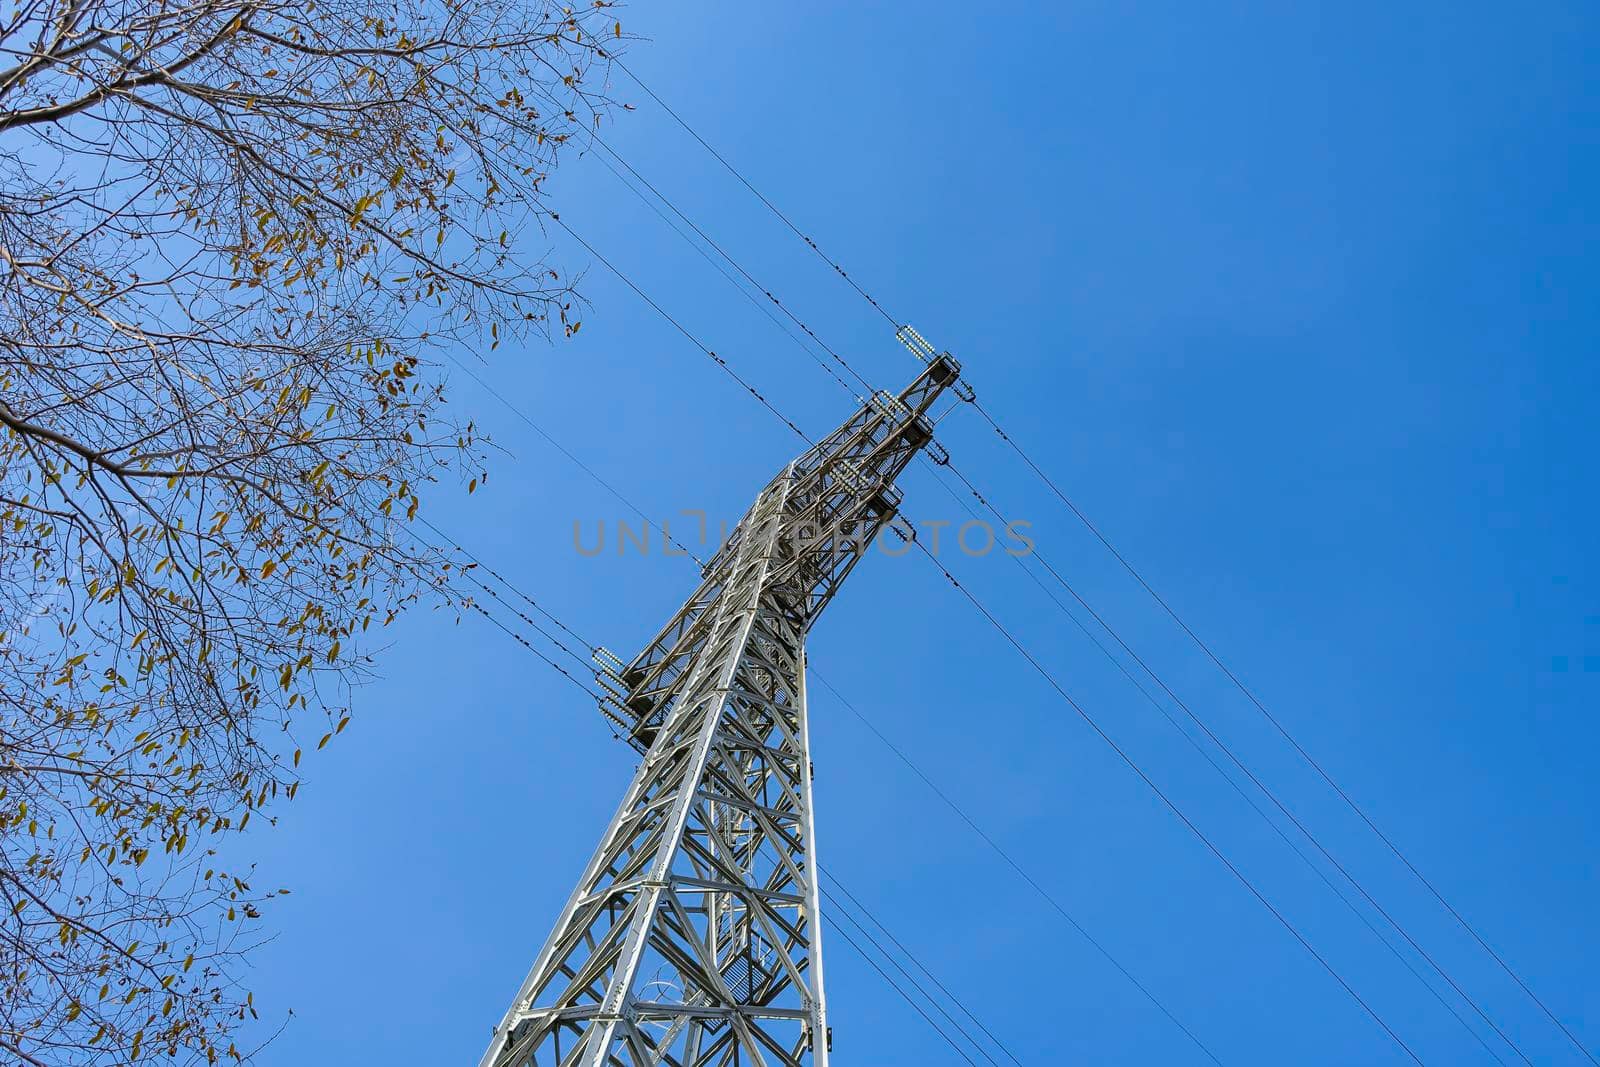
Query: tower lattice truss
(693, 936)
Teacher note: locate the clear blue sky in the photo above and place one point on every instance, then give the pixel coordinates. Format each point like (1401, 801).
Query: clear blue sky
(1297, 301)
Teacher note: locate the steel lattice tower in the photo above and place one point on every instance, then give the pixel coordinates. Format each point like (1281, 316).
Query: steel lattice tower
(693, 937)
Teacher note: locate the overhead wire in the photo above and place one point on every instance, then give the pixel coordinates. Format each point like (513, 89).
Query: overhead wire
(841, 908)
(753, 281)
(1169, 802)
(708, 239)
(853, 943)
(681, 328)
(1266, 790)
(468, 573)
(980, 497)
(649, 523)
(1316, 766)
(872, 940)
(1001, 1045)
(506, 402)
(916, 962)
(721, 362)
(756, 192)
(1299, 749)
(519, 639)
(1250, 801)
(1022, 872)
(478, 562)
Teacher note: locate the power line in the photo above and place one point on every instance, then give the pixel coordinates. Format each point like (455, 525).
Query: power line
(580, 464)
(519, 639)
(842, 909)
(865, 932)
(842, 932)
(1021, 871)
(1237, 762)
(1301, 751)
(476, 561)
(466, 572)
(918, 964)
(903, 757)
(768, 293)
(664, 199)
(1204, 647)
(721, 362)
(702, 346)
(1171, 805)
(1001, 1045)
(758, 305)
(758, 195)
(1237, 788)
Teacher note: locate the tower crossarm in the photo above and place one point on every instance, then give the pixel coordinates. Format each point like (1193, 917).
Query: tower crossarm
(840, 494)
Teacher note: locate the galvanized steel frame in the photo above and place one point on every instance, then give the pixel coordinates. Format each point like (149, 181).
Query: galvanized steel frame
(693, 936)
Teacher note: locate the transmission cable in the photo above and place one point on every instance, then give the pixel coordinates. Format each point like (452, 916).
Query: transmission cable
(1162, 796)
(842, 909)
(758, 305)
(478, 562)
(702, 346)
(757, 192)
(708, 239)
(1161, 601)
(842, 932)
(580, 464)
(664, 199)
(519, 639)
(902, 756)
(917, 963)
(1240, 764)
(1250, 801)
(862, 929)
(1011, 862)
(721, 362)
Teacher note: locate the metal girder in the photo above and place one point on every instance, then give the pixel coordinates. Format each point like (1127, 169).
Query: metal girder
(842, 494)
(692, 938)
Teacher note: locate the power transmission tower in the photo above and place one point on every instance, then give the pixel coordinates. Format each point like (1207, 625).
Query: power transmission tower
(693, 937)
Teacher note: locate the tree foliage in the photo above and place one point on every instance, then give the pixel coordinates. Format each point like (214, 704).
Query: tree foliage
(233, 235)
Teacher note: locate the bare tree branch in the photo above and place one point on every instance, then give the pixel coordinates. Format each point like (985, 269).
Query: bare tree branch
(233, 236)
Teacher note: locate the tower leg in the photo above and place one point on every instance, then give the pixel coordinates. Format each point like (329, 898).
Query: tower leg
(692, 937)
